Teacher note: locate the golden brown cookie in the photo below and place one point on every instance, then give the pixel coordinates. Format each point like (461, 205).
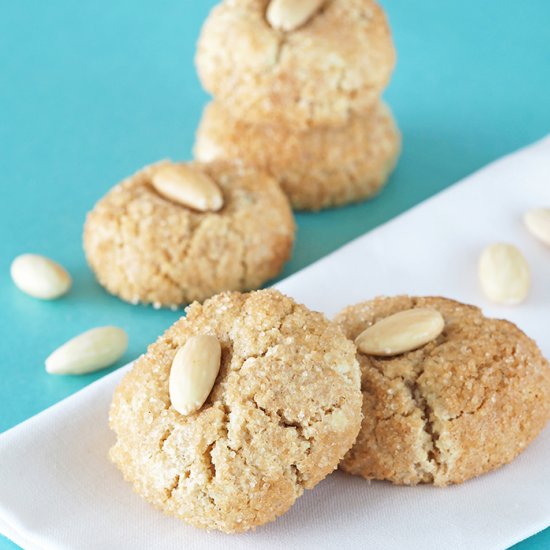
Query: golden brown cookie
(316, 168)
(285, 408)
(462, 405)
(144, 247)
(336, 63)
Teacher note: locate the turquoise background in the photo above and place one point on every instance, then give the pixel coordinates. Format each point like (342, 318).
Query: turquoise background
(90, 91)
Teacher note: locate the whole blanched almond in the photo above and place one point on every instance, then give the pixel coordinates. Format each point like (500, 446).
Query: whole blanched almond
(288, 15)
(193, 373)
(537, 222)
(40, 277)
(401, 332)
(504, 274)
(187, 186)
(90, 351)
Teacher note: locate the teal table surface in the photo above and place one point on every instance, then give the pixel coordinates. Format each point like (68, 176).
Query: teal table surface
(92, 91)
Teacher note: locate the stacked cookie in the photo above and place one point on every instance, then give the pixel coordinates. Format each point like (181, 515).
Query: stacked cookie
(297, 88)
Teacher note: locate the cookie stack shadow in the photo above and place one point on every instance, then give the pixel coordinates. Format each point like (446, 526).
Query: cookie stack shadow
(297, 93)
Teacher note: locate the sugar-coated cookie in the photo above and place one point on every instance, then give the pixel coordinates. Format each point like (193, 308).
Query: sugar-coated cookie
(335, 63)
(462, 405)
(284, 409)
(316, 168)
(146, 247)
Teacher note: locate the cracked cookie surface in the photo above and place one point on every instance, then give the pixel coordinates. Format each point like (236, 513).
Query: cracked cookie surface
(462, 405)
(316, 168)
(285, 408)
(146, 248)
(336, 64)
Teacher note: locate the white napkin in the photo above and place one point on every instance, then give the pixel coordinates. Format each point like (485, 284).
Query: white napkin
(58, 490)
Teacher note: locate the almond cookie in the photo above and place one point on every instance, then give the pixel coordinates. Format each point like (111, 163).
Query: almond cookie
(463, 404)
(145, 245)
(283, 411)
(335, 62)
(316, 168)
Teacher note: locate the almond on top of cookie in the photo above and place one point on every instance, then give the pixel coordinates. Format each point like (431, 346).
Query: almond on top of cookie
(279, 414)
(177, 232)
(299, 64)
(466, 402)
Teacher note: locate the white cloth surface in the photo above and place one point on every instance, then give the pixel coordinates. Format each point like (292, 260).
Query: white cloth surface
(59, 491)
